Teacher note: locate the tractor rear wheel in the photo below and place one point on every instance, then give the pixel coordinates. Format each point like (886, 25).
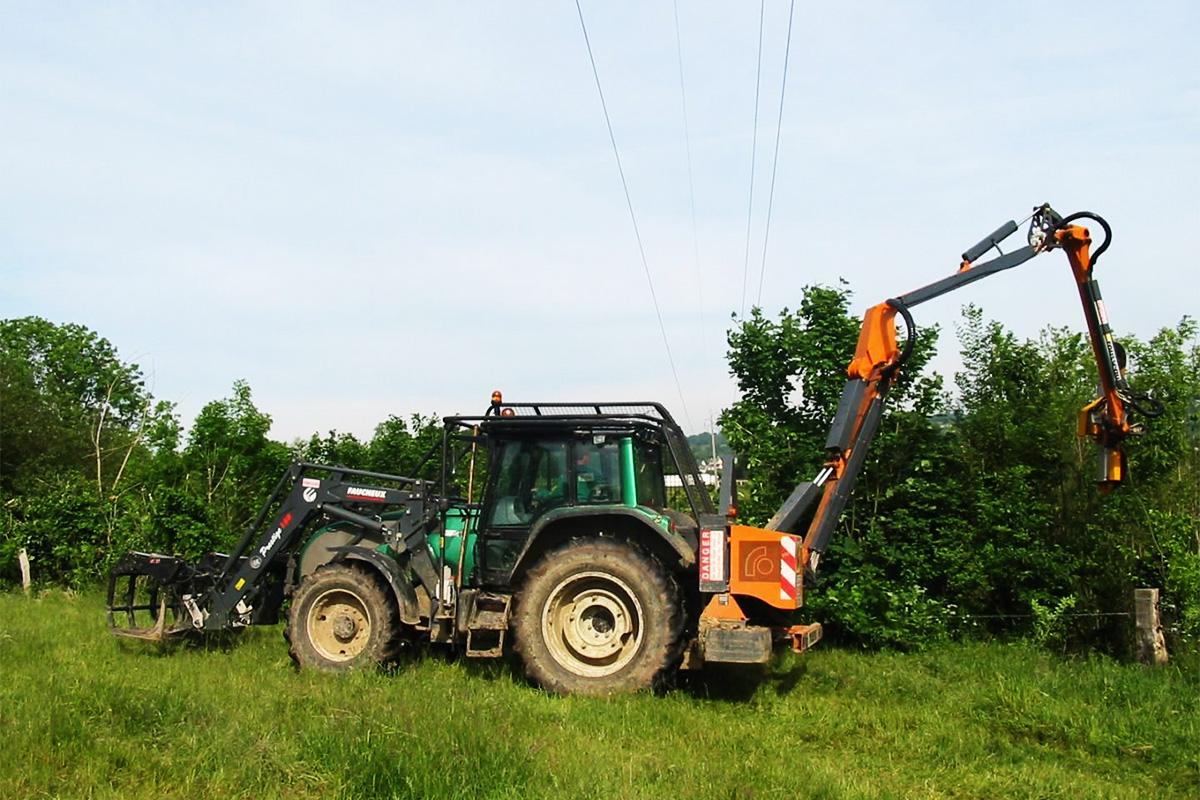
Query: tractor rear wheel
(342, 617)
(597, 616)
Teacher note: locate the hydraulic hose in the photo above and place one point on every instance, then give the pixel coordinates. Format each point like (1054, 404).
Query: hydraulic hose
(1153, 408)
(1067, 220)
(910, 341)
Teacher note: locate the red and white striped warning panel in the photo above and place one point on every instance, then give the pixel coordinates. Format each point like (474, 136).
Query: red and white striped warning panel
(787, 568)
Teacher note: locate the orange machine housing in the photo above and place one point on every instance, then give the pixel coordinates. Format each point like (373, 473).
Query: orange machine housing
(767, 565)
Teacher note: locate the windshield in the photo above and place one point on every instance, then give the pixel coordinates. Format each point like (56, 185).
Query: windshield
(531, 476)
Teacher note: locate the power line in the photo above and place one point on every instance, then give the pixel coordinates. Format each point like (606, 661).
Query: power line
(632, 216)
(762, 7)
(1073, 615)
(787, 51)
(687, 141)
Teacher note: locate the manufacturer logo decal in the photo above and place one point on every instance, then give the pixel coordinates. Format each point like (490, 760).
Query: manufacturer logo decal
(757, 561)
(310, 494)
(359, 493)
(274, 540)
(255, 562)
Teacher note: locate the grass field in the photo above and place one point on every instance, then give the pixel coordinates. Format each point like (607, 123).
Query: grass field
(83, 715)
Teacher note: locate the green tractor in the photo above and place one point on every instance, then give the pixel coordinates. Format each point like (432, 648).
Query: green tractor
(577, 555)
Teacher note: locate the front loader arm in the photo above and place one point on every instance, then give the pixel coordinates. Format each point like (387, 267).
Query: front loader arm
(230, 591)
(324, 495)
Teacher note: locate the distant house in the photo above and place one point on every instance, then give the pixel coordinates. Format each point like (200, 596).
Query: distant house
(675, 482)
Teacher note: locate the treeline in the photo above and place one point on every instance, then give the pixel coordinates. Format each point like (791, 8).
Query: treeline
(977, 509)
(976, 512)
(92, 465)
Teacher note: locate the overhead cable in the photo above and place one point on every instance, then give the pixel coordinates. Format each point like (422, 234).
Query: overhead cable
(787, 51)
(762, 7)
(687, 141)
(632, 215)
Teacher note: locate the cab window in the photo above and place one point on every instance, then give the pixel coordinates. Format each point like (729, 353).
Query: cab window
(597, 471)
(648, 474)
(531, 477)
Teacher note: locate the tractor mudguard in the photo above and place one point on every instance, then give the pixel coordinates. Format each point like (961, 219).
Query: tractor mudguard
(319, 549)
(625, 518)
(406, 597)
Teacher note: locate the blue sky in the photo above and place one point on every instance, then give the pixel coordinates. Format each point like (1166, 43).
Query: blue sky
(366, 209)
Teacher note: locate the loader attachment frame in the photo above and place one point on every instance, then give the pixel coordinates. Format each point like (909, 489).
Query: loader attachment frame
(144, 591)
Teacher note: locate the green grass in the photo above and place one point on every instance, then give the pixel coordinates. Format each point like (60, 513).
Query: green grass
(84, 715)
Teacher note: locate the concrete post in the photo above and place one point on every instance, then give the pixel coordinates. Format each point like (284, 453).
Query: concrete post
(1151, 647)
(23, 560)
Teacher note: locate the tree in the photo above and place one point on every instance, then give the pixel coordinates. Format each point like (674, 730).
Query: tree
(1163, 511)
(230, 462)
(1056, 538)
(68, 403)
(342, 449)
(74, 421)
(400, 446)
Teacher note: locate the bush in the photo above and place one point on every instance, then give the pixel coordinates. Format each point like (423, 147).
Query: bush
(982, 508)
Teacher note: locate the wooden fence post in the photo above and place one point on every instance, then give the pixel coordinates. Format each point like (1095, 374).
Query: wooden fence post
(1151, 647)
(23, 560)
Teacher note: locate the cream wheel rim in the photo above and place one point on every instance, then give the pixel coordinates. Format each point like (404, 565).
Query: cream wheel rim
(339, 625)
(592, 624)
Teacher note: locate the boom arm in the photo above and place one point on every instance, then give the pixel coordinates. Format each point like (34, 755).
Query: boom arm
(878, 360)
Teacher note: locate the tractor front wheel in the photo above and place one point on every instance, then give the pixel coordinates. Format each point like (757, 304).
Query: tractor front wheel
(341, 617)
(597, 616)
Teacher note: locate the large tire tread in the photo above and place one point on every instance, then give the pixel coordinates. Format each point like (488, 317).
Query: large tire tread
(657, 592)
(384, 645)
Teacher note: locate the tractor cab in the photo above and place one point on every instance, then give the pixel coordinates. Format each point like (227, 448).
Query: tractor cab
(539, 472)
